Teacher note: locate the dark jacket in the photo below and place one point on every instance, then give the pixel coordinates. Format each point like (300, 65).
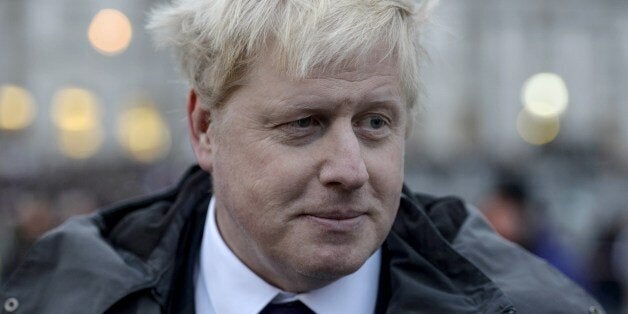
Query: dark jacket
(139, 257)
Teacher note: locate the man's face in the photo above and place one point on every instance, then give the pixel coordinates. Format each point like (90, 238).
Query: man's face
(308, 173)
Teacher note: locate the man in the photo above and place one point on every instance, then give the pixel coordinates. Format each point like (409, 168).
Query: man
(298, 111)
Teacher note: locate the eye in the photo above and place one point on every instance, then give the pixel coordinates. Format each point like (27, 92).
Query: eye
(376, 122)
(373, 126)
(301, 131)
(302, 126)
(303, 122)
(373, 122)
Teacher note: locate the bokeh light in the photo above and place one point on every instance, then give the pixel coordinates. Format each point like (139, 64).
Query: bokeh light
(77, 114)
(80, 144)
(75, 109)
(110, 32)
(17, 108)
(535, 129)
(545, 95)
(143, 133)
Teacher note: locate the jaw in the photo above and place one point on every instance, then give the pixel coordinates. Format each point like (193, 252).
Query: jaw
(322, 272)
(308, 266)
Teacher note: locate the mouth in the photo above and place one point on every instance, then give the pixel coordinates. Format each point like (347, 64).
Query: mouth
(337, 221)
(338, 215)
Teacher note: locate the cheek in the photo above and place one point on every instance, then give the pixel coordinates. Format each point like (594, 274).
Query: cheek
(259, 177)
(386, 166)
(386, 178)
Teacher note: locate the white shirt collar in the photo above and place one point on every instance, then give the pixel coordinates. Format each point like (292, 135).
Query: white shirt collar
(225, 285)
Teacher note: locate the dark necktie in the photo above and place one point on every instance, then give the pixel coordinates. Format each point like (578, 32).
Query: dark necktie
(294, 307)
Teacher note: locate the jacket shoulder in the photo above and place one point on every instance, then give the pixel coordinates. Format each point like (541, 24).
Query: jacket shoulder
(533, 285)
(457, 240)
(122, 257)
(67, 269)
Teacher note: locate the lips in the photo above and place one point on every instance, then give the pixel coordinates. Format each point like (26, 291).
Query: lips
(337, 215)
(337, 221)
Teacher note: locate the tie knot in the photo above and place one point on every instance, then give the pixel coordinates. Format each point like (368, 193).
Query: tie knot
(294, 307)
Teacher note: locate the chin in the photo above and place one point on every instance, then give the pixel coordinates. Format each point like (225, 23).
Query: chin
(331, 265)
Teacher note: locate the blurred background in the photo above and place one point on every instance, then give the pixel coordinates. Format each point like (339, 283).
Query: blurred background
(525, 116)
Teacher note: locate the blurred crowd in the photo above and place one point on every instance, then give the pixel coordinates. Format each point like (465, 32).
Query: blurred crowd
(30, 206)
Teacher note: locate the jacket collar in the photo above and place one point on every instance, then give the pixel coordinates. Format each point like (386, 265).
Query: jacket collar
(423, 273)
(164, 231)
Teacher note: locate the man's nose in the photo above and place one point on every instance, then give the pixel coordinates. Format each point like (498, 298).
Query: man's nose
(344, 165)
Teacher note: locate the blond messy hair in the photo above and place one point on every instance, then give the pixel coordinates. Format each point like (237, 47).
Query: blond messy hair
(216, 41)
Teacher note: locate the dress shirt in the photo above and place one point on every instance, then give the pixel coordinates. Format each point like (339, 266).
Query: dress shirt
(225, 285)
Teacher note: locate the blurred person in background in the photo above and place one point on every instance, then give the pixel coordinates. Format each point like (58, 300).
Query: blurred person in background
(620, 263)
(298, 113)
(609, 266)
(34, 217)
(73, 202)
(517, 217)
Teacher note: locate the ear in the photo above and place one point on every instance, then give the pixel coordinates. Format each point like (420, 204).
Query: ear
(199, 119)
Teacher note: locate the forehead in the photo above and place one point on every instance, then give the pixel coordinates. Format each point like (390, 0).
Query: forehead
(375, 74)
(304, 65)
